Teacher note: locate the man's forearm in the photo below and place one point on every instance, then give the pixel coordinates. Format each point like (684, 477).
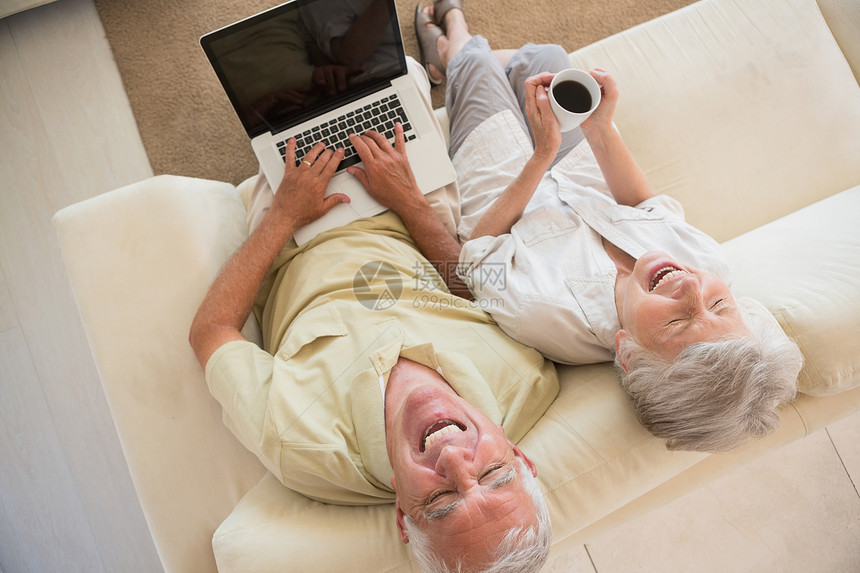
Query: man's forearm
(435, 242)
(230, 300)
(300, 199)
(388, 178)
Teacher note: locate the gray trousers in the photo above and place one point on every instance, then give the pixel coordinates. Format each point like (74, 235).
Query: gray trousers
(478, 88)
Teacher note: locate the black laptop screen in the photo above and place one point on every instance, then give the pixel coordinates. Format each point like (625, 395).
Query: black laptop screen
(298, 60)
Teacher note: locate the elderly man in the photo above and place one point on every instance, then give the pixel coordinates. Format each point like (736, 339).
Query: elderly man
(375, 384)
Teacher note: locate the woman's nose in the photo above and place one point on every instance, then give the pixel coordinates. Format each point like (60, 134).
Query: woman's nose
(688, 288)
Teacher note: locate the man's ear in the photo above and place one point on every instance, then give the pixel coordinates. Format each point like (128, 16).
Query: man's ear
(620, 337)
(518, 453)
(401, 523)
(399, 515)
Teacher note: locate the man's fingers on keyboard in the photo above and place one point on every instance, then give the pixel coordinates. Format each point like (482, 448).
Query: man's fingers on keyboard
(360, 145)
(330, 166)
(290, 155)
(399, 138)
(378, 138)
(315, 152)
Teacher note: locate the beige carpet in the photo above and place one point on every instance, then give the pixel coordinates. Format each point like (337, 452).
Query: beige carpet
(175, 96)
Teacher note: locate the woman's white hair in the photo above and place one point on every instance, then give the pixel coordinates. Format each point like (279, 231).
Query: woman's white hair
(522, 550)
(715, 395)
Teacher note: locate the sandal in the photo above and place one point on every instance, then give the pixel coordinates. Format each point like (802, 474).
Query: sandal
(442, 7)
(427, 43)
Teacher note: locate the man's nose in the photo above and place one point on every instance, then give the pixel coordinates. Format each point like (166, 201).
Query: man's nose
(453, 461)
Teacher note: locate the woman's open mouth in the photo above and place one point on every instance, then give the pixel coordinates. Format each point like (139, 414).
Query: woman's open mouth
(664, 275)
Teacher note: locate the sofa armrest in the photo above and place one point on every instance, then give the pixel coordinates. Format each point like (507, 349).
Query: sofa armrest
(140, 259)
(804, 269)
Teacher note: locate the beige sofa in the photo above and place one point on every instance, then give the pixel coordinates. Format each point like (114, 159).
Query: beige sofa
(747, 111)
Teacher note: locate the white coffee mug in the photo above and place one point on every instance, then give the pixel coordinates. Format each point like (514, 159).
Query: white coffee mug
(573, 95)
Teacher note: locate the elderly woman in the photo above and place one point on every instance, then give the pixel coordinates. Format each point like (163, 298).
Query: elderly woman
(567, 246)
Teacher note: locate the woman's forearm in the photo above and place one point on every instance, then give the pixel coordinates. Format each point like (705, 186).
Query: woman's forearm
(623, 176)
(509, 207)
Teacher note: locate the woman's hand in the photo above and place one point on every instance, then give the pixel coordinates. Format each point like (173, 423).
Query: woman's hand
(544, 125)
(602, 116)
(300, 198)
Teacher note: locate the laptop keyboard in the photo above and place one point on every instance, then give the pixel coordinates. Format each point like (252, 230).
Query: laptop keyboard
(379, 116)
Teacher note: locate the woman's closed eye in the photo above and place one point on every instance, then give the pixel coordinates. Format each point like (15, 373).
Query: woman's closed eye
(717, 305)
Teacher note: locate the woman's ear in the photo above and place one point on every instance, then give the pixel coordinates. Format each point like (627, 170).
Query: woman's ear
(620, 337)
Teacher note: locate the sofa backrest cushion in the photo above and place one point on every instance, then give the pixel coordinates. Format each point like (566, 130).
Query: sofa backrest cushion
(805, 268)
(743, 111)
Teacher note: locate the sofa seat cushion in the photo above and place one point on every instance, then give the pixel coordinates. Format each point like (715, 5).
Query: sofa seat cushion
(592, 458)
(805, 268)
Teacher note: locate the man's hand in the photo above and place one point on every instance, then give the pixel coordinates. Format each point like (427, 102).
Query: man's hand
(387, 175)
(300, 198)
(388, 178)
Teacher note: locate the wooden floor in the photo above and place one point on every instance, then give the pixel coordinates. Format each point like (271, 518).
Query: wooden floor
(66, 498)
(66, 134)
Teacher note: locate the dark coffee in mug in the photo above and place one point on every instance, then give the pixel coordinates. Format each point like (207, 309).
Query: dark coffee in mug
(572, 96)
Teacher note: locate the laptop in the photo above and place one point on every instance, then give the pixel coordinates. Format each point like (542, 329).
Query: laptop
(308, 69)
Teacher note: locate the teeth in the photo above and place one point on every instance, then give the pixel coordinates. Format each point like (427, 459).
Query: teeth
(665, 275)
(450, 428)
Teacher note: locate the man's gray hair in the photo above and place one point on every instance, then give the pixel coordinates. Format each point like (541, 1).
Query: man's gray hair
(715, 395)
(522, 550)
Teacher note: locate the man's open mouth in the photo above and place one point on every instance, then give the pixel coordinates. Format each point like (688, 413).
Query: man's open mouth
(664, 275)
(437, 430)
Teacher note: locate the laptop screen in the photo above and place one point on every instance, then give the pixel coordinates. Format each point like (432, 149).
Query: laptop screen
(304, 58)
